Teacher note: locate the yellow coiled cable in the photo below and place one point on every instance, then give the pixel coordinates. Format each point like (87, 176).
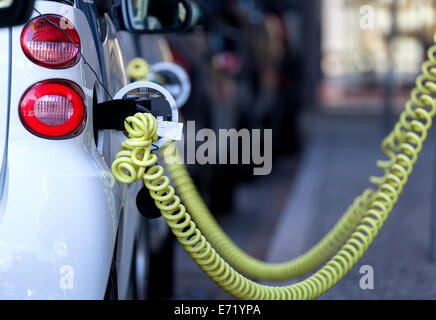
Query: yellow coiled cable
(402, 147)
(138, 69)
(248, 265)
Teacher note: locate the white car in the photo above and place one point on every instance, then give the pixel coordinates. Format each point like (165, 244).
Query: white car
(67, 229)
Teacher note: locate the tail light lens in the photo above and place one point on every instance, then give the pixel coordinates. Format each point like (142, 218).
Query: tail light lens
(51, 41)
(53, 109)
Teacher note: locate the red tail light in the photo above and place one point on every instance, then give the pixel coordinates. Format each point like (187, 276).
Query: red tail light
(51, 41)
(53, 109)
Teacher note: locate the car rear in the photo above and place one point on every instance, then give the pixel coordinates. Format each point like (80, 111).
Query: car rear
(59, 205)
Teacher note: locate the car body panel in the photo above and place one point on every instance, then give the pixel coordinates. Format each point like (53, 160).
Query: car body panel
(114, 67)
(4, 101)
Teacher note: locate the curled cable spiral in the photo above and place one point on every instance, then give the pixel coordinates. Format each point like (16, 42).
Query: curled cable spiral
(415, 121)
(248, 265)
(402, 146)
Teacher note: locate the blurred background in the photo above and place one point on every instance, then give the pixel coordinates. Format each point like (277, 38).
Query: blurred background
(329, 77)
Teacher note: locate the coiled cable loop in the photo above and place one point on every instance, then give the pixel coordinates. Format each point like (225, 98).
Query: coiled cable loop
(356, 229)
